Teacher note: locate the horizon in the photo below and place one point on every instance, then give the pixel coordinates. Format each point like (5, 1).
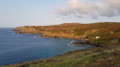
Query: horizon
(16, 13)
(62, 23)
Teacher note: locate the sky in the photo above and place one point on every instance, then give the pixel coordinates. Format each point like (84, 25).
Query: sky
(15, 13)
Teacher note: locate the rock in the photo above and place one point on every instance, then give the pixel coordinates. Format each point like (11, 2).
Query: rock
(78, 42)
(116, 41)
(38, 36)
(82, 42)
(18, 32)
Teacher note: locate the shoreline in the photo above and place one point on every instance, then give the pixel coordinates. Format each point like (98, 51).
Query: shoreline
(55, 59)
(68, 52)
(95, 33)
(56, 55)
(84, 42)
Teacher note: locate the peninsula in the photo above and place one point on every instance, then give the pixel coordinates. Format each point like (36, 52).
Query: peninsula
(105, 33)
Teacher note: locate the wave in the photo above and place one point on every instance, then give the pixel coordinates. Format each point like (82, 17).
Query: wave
(34, 37)
(69, 44)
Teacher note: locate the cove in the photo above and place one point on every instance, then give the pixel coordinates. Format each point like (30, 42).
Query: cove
(17, 48)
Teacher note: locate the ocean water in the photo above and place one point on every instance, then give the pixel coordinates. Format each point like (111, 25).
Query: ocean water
(16, 48)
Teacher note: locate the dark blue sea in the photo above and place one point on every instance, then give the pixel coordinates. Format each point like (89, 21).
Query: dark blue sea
(16, 48)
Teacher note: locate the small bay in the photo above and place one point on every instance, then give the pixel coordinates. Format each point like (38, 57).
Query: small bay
(16, 48)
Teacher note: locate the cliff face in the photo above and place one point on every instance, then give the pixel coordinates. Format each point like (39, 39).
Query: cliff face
(94, 31)
(26, 29)
(62, 31)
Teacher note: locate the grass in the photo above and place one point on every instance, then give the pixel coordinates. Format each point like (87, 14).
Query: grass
(95, 57)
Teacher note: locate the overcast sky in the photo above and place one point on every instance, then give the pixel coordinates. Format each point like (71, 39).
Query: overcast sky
(14, 13)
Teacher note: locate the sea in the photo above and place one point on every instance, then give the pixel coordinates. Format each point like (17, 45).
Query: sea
(17, 48)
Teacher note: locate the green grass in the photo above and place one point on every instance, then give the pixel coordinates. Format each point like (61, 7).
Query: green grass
(95, 57)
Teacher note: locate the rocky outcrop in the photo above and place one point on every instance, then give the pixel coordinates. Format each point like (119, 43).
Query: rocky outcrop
(115, 41)
(83, 42)
(46, 33)
(26, 29)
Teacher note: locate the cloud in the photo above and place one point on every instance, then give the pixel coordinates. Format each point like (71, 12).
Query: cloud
(81, 8)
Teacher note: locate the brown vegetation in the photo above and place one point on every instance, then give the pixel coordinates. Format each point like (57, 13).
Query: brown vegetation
(106, 31)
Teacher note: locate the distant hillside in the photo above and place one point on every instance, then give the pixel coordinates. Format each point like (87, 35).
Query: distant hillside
(102, 31)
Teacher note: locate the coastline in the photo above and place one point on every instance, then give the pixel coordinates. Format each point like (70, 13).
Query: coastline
(92, 33)
(93, 55)
(24, 43)
(66, 53)
(82, 43)
(106, 38)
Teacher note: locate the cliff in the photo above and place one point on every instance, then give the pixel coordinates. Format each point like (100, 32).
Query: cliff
(94, 32)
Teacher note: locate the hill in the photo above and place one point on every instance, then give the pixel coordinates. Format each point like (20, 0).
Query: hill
(107, 33)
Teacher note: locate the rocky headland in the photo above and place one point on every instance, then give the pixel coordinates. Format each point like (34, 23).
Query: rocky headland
(105, 33)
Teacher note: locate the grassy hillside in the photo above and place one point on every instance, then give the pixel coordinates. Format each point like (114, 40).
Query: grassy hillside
(95, 57)
(106, 31)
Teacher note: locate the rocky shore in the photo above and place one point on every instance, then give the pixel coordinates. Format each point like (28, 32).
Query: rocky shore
(84, 43)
